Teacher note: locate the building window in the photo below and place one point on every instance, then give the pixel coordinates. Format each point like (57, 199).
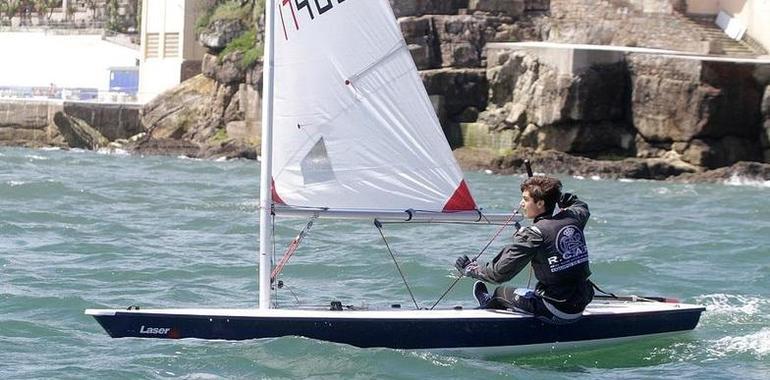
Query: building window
(171, 45)
(152, 45)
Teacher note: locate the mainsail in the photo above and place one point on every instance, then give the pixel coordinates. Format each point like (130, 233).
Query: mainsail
(353, 126)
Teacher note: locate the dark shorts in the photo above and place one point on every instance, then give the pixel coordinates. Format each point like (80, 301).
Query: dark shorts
(526, 301)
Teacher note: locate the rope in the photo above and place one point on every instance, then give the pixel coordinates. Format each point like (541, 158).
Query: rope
(379, 228)
(292, 248)
(494, 237)
(272, 256)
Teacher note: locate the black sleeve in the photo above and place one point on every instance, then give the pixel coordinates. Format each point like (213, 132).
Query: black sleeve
(512, 258)
(578, 209)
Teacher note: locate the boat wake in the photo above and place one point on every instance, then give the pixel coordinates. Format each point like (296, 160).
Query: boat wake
(756, 344)
(738, 306)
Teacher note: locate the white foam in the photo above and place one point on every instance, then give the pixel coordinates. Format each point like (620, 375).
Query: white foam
(732, 304)
(33, 157)
(578, 177)
(736, 180)
(16, 183)
(112, 151)
(188, 158)
(48, 148)
(757, 344)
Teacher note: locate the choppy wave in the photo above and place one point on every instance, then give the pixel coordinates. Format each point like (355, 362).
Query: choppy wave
(756, 344)
(733, 304)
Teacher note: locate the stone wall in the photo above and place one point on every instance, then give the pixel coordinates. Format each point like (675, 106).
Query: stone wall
(38, 124)
(113, 121)
(28, 123)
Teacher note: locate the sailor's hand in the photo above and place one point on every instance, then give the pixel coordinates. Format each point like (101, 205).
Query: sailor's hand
(567, 199)
(472, 270)
(466, 266)
(462, 262)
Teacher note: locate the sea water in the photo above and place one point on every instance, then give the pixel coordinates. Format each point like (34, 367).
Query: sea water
(86, 230)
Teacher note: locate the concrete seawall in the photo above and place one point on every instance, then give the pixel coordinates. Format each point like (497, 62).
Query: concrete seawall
(31, 123)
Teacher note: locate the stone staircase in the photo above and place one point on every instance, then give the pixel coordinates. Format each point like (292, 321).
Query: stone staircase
(719, 42)
(621, 22)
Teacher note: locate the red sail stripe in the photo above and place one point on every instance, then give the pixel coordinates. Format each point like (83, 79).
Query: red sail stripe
(461, 200)
(276, 197)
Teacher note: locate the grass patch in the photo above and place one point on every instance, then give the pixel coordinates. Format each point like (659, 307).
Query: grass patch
(247, 44)
(231, 10)
(203, 21)
(220, 136)
(227, 10)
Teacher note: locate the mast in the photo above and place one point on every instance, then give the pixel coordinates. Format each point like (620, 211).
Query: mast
(266, 169)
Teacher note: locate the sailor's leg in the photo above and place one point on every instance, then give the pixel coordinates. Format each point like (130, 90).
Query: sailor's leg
(519, 299)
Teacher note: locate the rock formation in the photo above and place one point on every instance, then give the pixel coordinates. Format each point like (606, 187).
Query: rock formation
(652, 116)
(78, 133)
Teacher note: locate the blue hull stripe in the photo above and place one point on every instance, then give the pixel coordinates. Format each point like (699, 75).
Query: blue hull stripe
(399, 333)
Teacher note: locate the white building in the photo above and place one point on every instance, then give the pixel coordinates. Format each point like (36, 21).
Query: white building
(169, 46)
(39, 60)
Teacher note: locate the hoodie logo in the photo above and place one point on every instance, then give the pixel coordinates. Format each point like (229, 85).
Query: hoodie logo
(571, 245)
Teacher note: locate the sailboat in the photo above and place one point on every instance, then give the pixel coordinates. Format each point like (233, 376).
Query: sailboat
(350, 133)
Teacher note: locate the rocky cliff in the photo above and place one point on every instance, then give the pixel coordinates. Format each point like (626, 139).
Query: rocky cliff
(662, 115)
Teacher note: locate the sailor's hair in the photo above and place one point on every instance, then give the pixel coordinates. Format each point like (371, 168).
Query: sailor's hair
(543, 188)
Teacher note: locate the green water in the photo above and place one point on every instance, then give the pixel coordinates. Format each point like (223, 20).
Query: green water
(84, 230)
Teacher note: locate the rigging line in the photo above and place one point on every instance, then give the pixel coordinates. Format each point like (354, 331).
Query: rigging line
(379, 228)
(272, 260)
(499, 230)
(292, 248)
(281, 284)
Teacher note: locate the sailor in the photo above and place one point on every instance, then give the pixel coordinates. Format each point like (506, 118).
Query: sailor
(556, 247)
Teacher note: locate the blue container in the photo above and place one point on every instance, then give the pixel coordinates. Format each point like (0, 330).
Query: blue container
(125, 80)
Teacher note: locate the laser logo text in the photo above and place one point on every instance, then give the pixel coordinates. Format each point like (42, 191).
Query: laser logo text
(154, 330)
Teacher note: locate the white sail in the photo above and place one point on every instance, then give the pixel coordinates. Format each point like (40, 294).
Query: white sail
(353, 126)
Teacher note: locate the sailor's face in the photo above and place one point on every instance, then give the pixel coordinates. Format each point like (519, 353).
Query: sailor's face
(531, 208)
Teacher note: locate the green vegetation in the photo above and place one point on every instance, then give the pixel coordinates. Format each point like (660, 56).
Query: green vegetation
(247, 44)
(220, 136)
(229, 10)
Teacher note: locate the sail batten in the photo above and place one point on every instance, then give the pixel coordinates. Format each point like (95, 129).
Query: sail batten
(353, 126)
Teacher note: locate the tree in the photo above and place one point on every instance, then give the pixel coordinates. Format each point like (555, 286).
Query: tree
(113, 18)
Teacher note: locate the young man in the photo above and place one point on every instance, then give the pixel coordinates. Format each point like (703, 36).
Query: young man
(555, 245)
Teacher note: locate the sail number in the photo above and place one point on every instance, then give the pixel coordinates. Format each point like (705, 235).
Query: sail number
(312, 8)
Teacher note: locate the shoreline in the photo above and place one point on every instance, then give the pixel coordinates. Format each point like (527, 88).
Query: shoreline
(486, 160)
